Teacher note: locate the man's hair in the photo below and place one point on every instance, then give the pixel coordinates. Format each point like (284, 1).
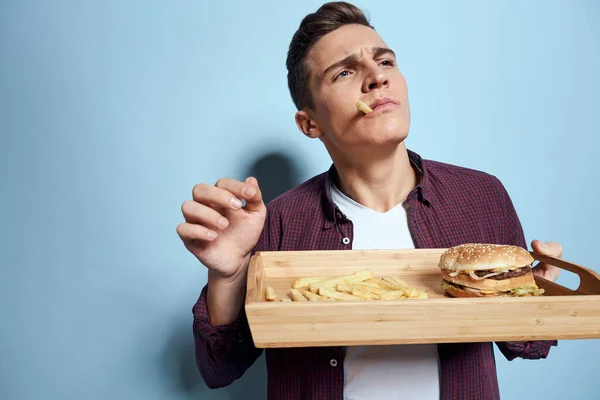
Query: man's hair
(313, 27)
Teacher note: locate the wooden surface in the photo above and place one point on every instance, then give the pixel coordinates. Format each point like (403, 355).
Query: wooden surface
(560, 314)
(589, 280)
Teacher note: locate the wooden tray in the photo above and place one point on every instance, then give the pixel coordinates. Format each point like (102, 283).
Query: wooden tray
(560, 313)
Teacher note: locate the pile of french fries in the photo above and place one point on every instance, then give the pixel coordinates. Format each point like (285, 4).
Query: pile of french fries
(362, 285)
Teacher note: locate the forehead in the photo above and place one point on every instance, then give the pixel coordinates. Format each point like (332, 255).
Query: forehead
(344, 41)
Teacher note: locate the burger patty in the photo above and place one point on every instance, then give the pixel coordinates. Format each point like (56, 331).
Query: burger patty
(505, 275)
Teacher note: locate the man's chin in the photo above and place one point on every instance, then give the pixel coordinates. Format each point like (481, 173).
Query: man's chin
(391, 132)
(389, 141)
(368, 148)
(387, 133)
(388, 124)
(395, 126)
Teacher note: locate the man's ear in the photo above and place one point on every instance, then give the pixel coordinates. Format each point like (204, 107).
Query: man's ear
(307, 125)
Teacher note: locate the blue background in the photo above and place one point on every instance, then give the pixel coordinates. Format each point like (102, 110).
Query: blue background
(110, 112)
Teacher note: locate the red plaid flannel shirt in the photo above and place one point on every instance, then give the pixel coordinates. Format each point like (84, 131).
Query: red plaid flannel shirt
(450, 206)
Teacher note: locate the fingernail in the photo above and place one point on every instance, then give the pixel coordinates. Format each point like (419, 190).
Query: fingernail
(248, 191)
(544, 245)
(211, 235)
(223, 223)
(236, 203)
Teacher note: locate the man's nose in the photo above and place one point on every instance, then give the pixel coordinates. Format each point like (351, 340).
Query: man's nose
(375, 80)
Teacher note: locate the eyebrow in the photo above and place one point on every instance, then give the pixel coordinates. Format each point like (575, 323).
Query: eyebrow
(353, 59)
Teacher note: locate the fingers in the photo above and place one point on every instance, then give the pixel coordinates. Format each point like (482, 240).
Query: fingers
(552, 249)
(204, 214)
(217, 196)
(188, 232)
(546, 271)
(196, 213)
(254, 199)
(228, 194)
(247, 190)
(239, 189)
(201, 222)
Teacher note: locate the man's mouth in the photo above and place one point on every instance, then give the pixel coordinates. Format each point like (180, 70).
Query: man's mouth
(380, 104)
(383, 104)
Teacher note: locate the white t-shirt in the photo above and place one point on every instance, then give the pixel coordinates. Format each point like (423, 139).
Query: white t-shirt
(386, 372)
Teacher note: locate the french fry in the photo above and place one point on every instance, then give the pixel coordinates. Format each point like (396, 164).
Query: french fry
(390, 280)
(351, 278)
(409, 292)
(365, 287)
(297, 295)
(306, 281)
(390, 286)
(373, 282)
(392, 295)
(412, 293)
(361, 285)
(310, 295)
(336, 295)
(396, 283)
(344, 287)
(395, 280)
(363, 107)
(363, 294)
(270, 294)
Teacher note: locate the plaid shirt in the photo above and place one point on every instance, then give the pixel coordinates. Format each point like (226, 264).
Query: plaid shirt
(451, 205)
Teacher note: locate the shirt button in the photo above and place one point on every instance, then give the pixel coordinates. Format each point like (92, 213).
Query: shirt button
(345, 240)
(333, 362)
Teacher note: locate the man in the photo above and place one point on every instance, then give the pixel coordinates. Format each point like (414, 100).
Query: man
(377, 194)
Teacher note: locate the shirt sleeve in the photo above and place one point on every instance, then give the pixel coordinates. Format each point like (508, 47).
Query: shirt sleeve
(512, 234)
(224, 353)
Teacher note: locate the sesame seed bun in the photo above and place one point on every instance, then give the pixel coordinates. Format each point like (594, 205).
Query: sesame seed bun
(481, 257)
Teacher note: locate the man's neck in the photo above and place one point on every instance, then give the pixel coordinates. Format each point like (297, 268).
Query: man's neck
(377, 183)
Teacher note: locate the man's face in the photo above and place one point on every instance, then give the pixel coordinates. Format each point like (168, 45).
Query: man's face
(350, 64)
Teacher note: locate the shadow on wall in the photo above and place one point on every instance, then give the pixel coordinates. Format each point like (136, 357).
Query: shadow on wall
(276, 173)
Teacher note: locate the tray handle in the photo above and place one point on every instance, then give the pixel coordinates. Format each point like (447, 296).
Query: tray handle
(589, 280)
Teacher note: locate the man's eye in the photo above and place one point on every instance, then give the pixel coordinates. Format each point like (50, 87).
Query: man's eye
(343, 74)
(388, 63)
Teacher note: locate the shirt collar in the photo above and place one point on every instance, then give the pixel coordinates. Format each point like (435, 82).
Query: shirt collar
(420, 192)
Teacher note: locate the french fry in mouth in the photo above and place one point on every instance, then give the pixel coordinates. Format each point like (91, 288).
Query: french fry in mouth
(363, 107)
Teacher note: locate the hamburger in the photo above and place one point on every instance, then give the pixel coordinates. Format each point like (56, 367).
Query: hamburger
(487, 270)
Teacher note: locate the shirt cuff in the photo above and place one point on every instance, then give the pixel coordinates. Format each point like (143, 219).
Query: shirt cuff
(233, 330)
